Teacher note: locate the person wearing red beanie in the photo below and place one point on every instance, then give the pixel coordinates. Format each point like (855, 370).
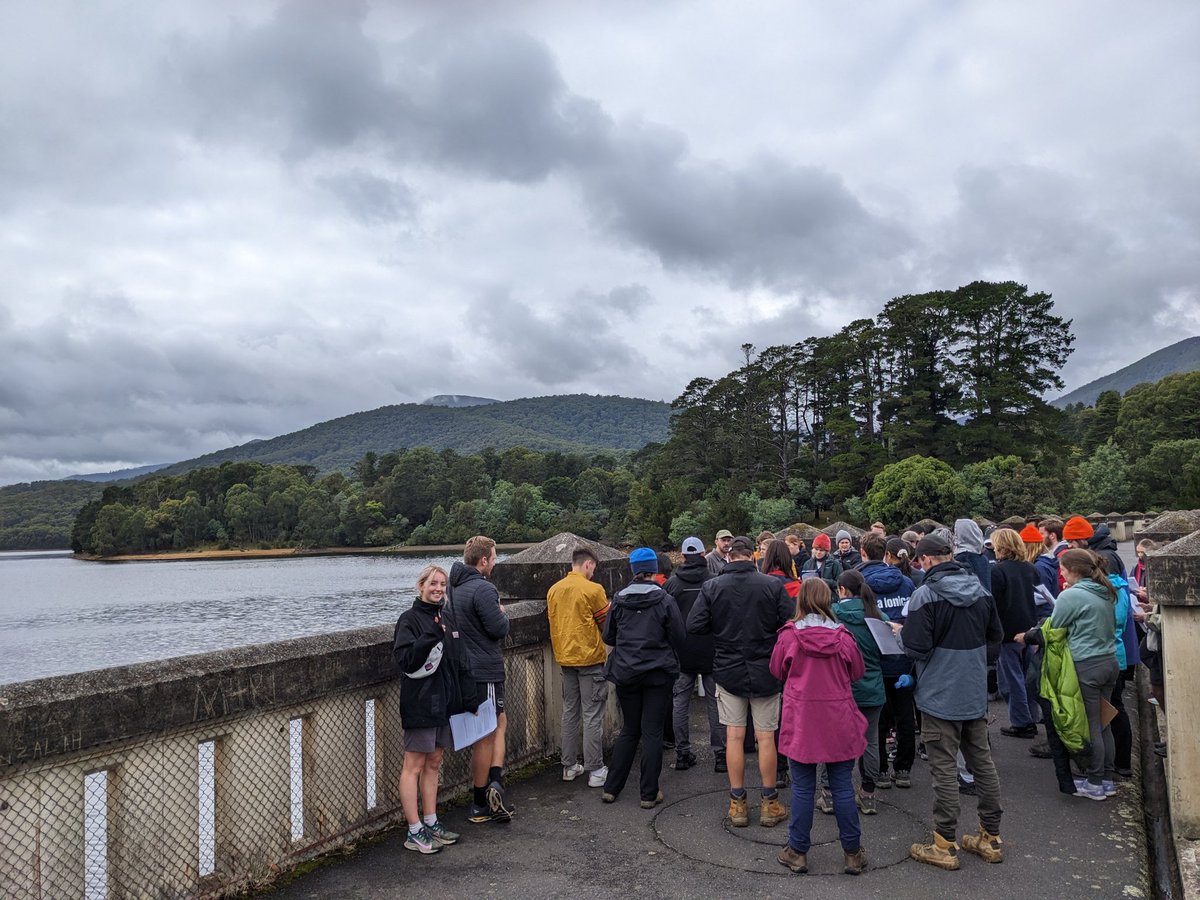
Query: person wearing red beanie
(821, 564)
(1076, 531)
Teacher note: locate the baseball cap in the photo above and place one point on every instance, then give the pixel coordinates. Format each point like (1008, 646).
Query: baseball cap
(933, 545)
(742, 545)
(692, 545)
(724, 532)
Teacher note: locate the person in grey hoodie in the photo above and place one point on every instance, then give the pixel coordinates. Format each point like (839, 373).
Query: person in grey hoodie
(968, 544)
(952, 632)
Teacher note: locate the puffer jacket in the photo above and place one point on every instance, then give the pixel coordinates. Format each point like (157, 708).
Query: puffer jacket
(743, 609)
(476, 607)
(1059, 684)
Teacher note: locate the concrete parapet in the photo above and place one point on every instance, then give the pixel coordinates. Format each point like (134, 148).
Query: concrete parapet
(529, 574)
(1173, 581)
(1170, 526)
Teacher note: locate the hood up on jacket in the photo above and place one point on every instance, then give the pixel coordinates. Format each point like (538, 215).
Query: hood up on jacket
(693, 571)
(955, 583)
(967, 536)
(884, 580)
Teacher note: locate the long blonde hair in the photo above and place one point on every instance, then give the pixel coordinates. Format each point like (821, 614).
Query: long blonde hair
(427, 573)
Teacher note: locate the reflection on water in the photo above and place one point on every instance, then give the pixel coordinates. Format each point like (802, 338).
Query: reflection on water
(60, 615)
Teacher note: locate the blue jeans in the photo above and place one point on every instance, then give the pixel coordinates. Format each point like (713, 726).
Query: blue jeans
(1022, 708)
(804, 787)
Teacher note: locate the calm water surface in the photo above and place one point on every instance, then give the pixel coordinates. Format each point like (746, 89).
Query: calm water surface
(60, 615)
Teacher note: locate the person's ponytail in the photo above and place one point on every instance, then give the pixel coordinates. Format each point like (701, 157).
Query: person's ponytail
(1087, 564)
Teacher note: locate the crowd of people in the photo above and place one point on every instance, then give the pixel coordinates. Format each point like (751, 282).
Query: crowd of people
(835, 663)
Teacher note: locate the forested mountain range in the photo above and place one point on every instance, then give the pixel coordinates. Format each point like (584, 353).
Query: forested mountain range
(1182, 356)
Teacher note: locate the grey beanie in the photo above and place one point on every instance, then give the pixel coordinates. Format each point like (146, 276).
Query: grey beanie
(842, 535)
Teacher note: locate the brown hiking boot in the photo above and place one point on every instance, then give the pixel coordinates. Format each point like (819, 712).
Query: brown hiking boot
(771, 813)
(941, 853)
(985, 845)
(797, 862)
(856, 862)
(739, 812)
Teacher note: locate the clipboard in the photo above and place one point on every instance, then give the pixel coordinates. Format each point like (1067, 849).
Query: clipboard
(467, 728)
(885, 639)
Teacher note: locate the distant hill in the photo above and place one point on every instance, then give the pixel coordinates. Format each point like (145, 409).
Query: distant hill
(457, 401)
(119, 474)
(1183, 356)
(568, 423)
(39, 516)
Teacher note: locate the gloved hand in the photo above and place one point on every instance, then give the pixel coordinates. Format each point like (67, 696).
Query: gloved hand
(904, 681)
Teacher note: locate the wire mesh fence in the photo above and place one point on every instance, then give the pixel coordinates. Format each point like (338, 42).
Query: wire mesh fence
(213, 810)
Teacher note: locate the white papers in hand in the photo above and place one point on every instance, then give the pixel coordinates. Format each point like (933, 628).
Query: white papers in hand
(466, 728)
(886, 641)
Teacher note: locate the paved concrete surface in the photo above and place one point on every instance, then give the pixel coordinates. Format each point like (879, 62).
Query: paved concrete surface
(565, 843)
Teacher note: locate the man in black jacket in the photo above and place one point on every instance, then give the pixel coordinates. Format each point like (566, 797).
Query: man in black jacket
(475, 603)
(743, 609)
(696, 661)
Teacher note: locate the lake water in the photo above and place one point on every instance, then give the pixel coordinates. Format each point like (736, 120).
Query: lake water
(61, 615)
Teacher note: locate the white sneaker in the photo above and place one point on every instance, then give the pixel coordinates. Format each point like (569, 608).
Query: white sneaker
(570, 773)
(597, 778)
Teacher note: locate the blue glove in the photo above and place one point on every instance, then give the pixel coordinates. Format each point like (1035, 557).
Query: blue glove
(904, 681)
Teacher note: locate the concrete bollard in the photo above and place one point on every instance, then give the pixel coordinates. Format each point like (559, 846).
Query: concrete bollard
(1174, 583)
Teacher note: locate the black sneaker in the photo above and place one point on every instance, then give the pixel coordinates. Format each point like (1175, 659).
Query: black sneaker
(1021, 731)
(480, 815)
(966, 787)
(498, 803)
(719, 764)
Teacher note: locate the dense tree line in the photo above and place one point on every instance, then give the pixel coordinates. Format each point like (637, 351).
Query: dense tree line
(932, 409)
(39, 516)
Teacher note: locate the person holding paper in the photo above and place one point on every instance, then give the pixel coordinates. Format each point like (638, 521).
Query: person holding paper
(435, 683)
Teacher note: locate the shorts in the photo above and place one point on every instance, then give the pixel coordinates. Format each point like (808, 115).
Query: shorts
(426, 740)
(731, 710)
(497, 689)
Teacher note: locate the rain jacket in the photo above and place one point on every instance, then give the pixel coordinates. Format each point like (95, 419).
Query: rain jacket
(953, 632)
(743, 610)
(1103, 543)
(868, 690)
(644, 629)
(817, 660)
(576, 607)
(696, 657)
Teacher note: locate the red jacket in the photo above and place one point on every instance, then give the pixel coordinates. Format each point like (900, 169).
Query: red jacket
(817, 664)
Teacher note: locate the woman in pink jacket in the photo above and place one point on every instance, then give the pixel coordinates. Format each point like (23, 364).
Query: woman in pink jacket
(817, 659)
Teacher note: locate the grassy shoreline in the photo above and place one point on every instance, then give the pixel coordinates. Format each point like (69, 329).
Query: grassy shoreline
(291, 553)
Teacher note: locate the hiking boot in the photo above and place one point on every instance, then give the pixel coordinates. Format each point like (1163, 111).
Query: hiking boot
(883, 782)
(685, 761)
(739, 812)
(985, 845)
(771, 812)
(856, 862)
(650, 804)
(1041, 750)
(598, 777)
(1020, 731)
(479, 815)
(442, 834)
(866, 804)
(719, 764)
(498, 803)
(903, 779)
(570, 773)
(422, 841)
(824, 802)
(941, 853)
(797, 862)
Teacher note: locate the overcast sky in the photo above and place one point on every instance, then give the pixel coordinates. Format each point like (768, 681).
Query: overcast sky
(222, 221)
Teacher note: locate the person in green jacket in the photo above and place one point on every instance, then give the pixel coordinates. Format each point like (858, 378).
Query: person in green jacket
(1087, 610)
(855, 605)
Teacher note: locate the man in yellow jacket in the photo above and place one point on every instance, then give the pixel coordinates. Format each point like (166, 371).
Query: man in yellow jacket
(576, 606)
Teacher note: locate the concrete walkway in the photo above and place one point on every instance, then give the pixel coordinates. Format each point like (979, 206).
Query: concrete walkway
(565, 843)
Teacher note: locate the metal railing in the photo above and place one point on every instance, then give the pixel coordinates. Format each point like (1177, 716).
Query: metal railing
(204, 775)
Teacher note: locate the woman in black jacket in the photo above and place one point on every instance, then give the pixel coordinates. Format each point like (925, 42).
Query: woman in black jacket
(435, 683)
(646, 633)
(1013, 581)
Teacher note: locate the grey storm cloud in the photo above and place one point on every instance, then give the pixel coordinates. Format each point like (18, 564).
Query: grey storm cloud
(220, 222)
(493, 103)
